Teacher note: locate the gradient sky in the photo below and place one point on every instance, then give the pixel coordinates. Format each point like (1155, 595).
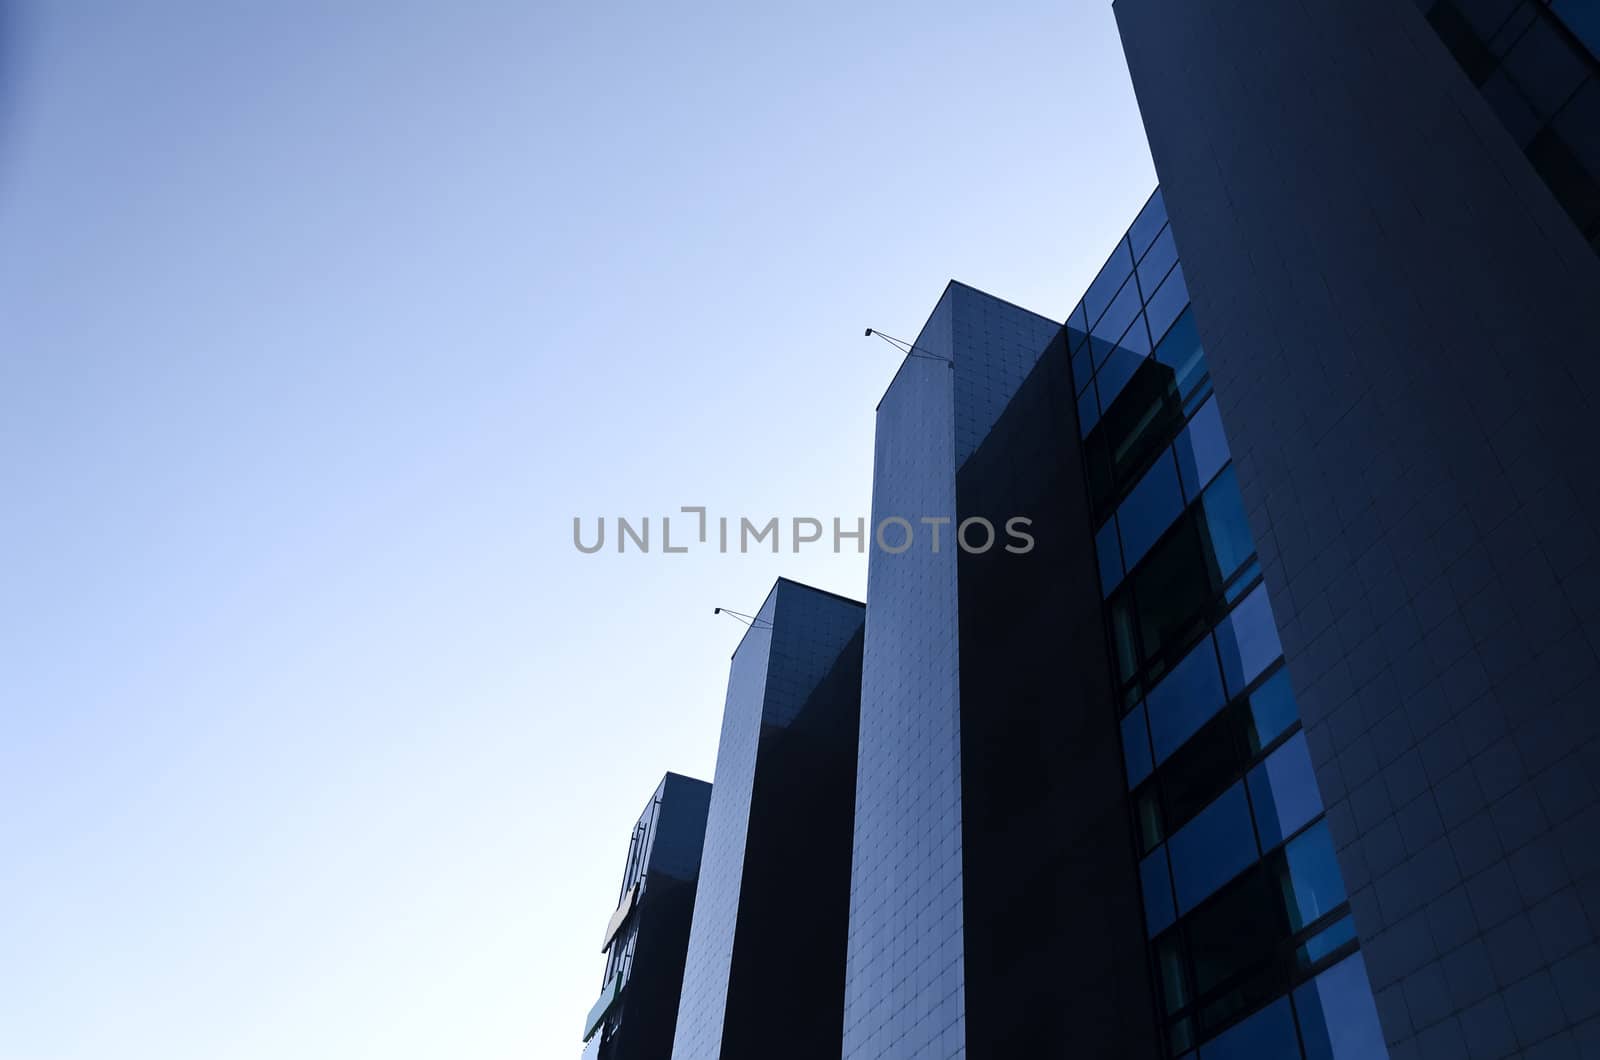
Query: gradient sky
(318, 738)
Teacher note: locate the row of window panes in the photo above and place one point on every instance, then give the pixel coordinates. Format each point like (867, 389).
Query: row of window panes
(1133, 405)
(1157, 499)
(1238, 950)
(1277, 798)
(1105, 364)
(1221, 751)
(1162, 392)
(1184, 583)
(1130, 248)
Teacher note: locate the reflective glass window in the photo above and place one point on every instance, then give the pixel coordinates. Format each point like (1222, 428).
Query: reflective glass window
(1202, 448)
(1124, 637)
(1103, 336)
(1105, 286)
(1185, 700)
(1136, 746)
(1283, 790)
(1338, 1017)
(1203, 767)
(1151, 219)
(1160, 259)
(1272, 710)
(1267, 1035)
(1241, 928)
(1248, 640)
(1326, 941)
(1082, 368)
(1227, 531)
(1118, 370)
(1582, 18)
(1088, 410)
(1153, 879)
(1175, 587)
(1142, 420)
(1213, 848)
(1174, 982)
(1077, 326)
(1147, 819)
(1110, 555)
(1169, 300)
(1310, 880)
(1180, 350)
(1149, 509)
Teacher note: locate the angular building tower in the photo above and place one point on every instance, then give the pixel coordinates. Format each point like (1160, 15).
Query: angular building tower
(1387, 220)
(649, 933)
(1086, 820)
(765, 970)
(992, 849)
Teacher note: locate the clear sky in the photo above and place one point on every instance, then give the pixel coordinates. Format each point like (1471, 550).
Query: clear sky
(318, 325)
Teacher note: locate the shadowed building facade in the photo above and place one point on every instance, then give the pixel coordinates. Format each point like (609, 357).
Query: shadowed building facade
(764, 975)
(648, 934)
(1395, 283)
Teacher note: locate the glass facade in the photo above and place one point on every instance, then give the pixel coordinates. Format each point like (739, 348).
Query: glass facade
(1535, 63)
(764, 972)
(634, 1016)
(1250, 938)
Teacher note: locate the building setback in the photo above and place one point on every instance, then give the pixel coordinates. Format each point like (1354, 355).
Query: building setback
(647, 936)
(1401, 319)
(764, 975)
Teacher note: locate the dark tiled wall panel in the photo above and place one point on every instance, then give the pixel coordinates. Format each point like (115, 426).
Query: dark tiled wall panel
(1403, 329)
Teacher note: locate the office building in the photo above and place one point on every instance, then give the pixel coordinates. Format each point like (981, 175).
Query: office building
(764, 975)
(1280, 740)
(1086, 816)
(1401, 315)
(647, 936)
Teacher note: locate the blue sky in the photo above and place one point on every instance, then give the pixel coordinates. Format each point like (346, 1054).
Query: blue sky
(317, 736)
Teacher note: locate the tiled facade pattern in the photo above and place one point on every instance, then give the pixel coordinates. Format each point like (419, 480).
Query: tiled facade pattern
(1401, 322)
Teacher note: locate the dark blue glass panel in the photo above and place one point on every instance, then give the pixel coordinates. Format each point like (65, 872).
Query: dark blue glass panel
(1110, 554)
(1326, 941)
(1174, 983)
(1213, 848)
(1123, 632)
(1169, 300)
(1078, 326)
(1082, 368)
(1118, 369)
(1283, 791)
(1273, 710)
(1157, 263)
(1153, 879)
(1105, 286)
(1337, 1015)
(1227, 530)
(1179, 349)
(1313, 886)
(1583, 19)
(1136, 746)
(1268, 1035)
(1148, 223)
(1186, 700)
(1202, 448)
(1248, 640)
(1149, 509)
(1088, 411)
(1103, 336)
